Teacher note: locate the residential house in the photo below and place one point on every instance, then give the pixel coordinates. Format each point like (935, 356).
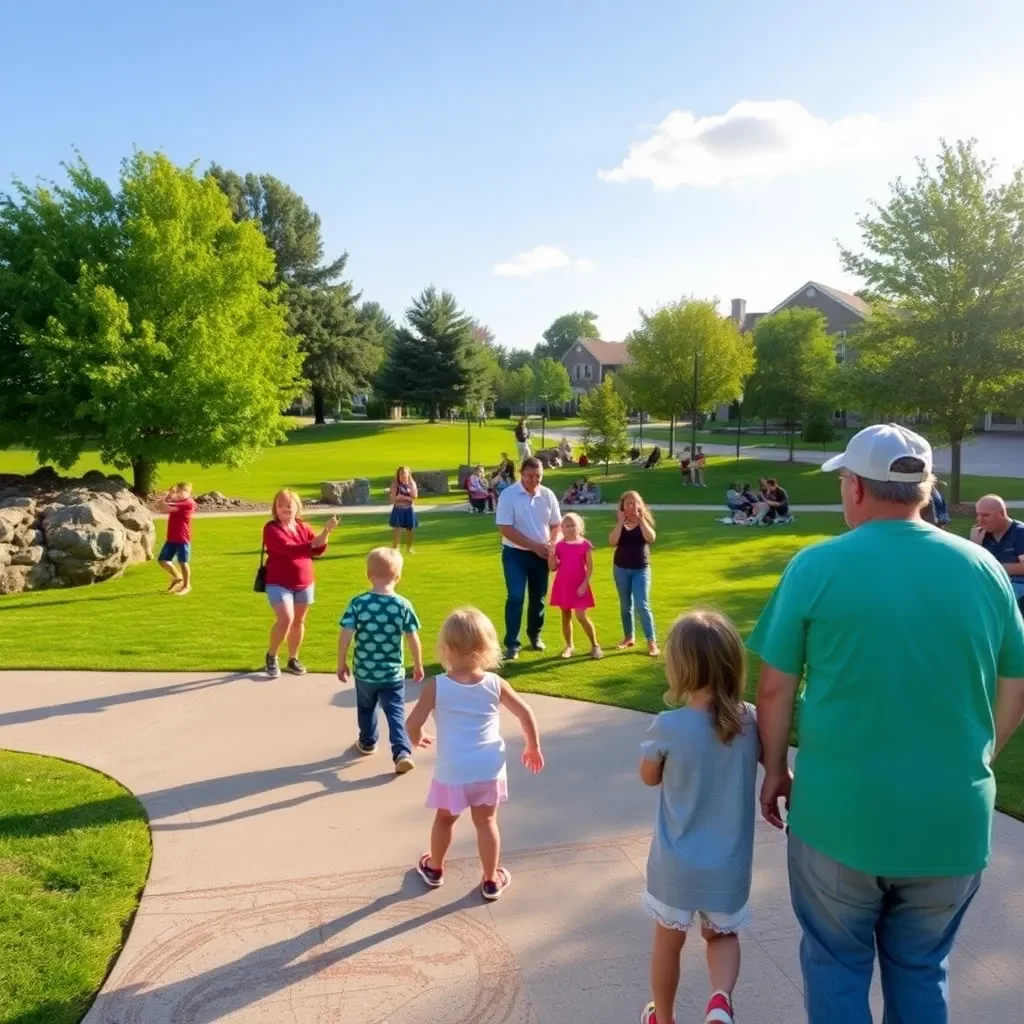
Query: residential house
(590, 359)
(843, 313)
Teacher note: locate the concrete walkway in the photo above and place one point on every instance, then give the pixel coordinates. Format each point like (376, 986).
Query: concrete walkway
(282, 892)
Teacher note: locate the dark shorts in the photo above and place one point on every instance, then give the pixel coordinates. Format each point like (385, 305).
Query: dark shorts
(403, 517)
(175, 549)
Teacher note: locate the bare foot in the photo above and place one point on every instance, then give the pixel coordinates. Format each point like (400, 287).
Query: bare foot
(173, 585)
(629, 642)
(183, 592)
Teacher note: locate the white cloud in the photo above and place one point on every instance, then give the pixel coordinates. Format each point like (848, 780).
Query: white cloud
(751, 140)
(541, 259)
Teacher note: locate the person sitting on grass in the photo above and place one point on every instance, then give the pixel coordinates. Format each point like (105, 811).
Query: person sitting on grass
(480, 498)
(590, 494)
(378, 620)
(777, 498)
(652, 460)
(735, 502)
(565, 450)
(178, 504)
(573, 495)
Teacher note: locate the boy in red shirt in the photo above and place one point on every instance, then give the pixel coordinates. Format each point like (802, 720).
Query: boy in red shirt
(179, 506)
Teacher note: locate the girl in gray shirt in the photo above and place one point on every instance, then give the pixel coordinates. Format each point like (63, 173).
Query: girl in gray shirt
(703, 755)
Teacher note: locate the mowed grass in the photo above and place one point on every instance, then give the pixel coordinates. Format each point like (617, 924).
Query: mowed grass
(129, 623)
(74, 856)
(751, 437)
(373, 450)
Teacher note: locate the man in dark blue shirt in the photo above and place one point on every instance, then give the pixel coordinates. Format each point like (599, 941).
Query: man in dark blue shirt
(1003, 537)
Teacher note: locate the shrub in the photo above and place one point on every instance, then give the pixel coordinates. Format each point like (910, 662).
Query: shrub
(819, 429)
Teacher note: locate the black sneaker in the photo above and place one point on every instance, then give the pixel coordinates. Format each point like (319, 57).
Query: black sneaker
(492, 891)
(433, 877)
(273, 666)
(512, 654)
(295, 667)
(538, 645)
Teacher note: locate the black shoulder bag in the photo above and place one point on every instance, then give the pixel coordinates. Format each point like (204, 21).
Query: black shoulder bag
(260, 583)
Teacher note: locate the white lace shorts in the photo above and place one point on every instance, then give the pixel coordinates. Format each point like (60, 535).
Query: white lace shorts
(680, 920)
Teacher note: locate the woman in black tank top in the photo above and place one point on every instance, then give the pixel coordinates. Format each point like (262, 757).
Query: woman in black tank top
(632, 539)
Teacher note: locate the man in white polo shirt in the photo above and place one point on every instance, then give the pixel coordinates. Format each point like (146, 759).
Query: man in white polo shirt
(529, 521)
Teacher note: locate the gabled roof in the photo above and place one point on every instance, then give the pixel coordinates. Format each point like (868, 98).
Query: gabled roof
(607, 353)
(854, 303)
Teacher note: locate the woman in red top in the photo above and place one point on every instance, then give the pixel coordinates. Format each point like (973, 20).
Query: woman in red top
(291, 546)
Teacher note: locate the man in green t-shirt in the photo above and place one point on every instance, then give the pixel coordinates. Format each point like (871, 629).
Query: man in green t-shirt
(911, 648)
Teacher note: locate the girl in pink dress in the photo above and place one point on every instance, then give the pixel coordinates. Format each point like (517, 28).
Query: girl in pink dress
(572, 562)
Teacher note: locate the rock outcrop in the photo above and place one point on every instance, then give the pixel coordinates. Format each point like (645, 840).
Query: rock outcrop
(58, 532)
(346, 492)
(431, 482)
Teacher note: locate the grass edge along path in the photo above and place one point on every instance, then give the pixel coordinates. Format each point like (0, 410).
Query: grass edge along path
(75, 854)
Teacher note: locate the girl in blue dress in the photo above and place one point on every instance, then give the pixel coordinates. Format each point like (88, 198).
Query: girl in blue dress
(403, 514)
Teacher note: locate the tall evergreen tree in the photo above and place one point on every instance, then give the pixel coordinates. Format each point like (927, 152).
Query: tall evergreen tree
(434, 361)
(340, 353)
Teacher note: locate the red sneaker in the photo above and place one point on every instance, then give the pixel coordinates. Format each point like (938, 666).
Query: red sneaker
(647, 1015)
(719, 1010)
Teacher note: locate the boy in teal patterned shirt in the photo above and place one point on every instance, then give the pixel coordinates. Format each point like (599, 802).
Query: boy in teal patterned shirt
(378, 620)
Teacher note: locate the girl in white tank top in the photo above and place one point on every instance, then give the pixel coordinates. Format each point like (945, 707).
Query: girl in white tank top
(469, 771)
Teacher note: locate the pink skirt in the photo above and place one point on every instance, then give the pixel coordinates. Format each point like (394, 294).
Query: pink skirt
(457, 797)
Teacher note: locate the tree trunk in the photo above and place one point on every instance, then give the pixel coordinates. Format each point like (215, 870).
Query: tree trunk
(435, 413)
(671, 436)
(605, 467)
(792, 441)
(318, 407)
(955, 443)
(144, 475)
(764, 425)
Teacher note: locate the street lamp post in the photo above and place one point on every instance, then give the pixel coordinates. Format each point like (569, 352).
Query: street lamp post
(693, 424)
(739, 427)
(469, 439)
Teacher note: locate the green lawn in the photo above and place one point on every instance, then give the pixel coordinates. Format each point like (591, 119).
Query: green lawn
(339, 451)
(74, 856)
(129, 624)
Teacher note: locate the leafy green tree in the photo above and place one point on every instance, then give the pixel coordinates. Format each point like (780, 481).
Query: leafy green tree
(433, 361)
(685, 356)
(795, 368)
(551, 385)
(377, 326)
(139, 321)
(565, 332)
(517, 386)
(341, 353)
(603, 412)
(945, 260)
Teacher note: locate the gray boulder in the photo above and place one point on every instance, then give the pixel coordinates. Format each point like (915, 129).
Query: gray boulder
(431, 482)
(346, 492)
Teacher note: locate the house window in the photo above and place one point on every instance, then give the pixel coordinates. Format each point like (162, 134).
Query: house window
(840, 346)
(577, 371)
(811, 293)
(588, 371)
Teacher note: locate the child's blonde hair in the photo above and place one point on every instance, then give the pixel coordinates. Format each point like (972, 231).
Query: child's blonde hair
(292, 496)
(575, 517)
(468, 633)
(704, 651)
(384, 564)
(399, 471)
(643, 512)
(182, 487)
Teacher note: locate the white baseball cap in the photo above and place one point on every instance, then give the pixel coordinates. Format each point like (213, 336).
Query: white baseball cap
(871, 452)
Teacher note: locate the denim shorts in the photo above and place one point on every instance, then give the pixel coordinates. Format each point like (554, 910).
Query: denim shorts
(283, 595)
(175, 549)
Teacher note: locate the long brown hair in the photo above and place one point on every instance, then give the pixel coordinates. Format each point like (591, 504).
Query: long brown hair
(704, 651)
(642, 511)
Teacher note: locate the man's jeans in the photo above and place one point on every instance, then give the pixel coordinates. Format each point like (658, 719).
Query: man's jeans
(524, 572)
(634, 587)
(844, 914)
(391, 698)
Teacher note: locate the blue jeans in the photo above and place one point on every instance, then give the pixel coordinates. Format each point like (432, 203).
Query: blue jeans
(845, 914)
(634, 587)
(391, 698)
(525, 573)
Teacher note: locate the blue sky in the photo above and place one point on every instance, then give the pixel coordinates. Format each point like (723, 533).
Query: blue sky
(439, 141)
